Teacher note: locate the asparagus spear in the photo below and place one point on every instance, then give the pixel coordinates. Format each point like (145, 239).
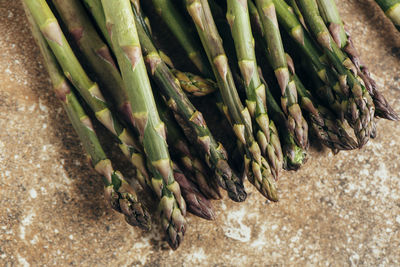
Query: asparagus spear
(392, 10)
(297, 11)
(180, 149)
(294, 155)
(297, 124)
(176, 23)
(331, 16)
(218, 11)
(98, 55)
(360, 102)
(96, 10)
(190, 119)
(121, 25)
(120, 195)
(238, 18)
(256, 167)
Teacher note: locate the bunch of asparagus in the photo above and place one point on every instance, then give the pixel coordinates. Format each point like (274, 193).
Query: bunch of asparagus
(105, 53)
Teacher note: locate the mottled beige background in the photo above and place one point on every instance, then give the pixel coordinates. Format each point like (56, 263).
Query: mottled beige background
(336, 211)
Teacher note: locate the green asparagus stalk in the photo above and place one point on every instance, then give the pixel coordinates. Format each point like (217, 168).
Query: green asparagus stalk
(121, 25)
(360, 102)
(195, 85)
(331, 16)
(98, 56)
(297, 124)
(218, 11)
(180, 149)
(238, 18)
(392, 10)
(120, 195)
(294, 155)
(190, 119)
(256, 166)
(96, 10)
(176, 23)
(297, 11)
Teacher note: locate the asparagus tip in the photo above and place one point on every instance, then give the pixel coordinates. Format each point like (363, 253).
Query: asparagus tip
(203, 209)
(124, 200)
(239, 195)
(388, 113)
(294, 158)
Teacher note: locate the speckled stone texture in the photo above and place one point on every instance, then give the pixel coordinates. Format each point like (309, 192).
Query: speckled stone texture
(336, 211)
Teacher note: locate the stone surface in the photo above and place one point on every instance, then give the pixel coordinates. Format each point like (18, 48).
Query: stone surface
(336, 211)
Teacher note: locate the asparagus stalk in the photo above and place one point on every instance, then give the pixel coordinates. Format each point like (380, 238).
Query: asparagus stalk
(392, 10)
(190, 119)
(294, 155)
(121, 25)
(176, 23)
(360, 102)
(331, 16)
(297, 11)
(98, 56)
(297, 124)
(238, 18)
(96, 10)
(180, 149)
(120, 195)
(218, 11)
(256, 167)
(194, 85)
